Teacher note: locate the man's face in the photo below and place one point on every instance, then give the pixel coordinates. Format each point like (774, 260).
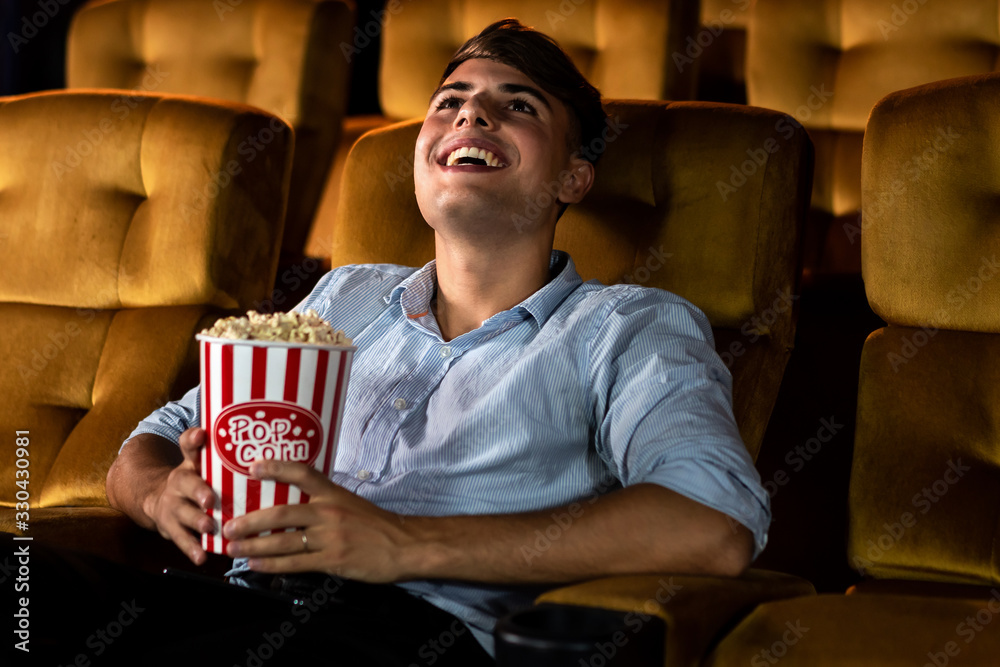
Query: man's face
(487, 107)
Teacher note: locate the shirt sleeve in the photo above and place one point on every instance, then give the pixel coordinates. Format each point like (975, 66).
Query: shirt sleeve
(172, 419)
(664, 407)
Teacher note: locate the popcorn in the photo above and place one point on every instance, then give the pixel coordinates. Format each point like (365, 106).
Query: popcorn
(291, 327)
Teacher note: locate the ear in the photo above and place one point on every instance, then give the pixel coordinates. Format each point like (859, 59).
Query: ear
(576, 180)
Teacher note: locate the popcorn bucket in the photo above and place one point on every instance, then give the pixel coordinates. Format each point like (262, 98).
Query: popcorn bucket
(271, 400)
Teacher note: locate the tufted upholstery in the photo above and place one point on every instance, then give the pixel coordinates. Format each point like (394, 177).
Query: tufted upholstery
(925, 479)
(930, 381)
(118, 239)
(655, 216)
(279, 55)
(623, 48)
(855, 52)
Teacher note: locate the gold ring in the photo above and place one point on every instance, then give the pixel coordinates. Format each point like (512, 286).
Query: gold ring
(305, 541)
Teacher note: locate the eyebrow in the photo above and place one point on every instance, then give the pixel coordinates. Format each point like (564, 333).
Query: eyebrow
(507, 88)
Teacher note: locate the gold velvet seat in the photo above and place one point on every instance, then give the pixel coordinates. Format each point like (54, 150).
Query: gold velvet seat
(283, 56)
(123, 230)
(625, 48)
(827, 62)
(655, 217)
(925, 480)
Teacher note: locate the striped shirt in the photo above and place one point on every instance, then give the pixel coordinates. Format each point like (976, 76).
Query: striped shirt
(579, 389)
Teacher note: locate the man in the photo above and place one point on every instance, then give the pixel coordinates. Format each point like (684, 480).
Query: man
(492, 390)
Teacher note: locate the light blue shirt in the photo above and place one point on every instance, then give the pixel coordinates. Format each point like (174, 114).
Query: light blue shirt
(579, 389)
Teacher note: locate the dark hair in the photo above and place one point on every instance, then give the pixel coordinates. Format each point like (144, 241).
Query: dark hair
(542, 60)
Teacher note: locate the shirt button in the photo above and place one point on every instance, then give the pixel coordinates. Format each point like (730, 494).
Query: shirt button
(363, 475)
(445, 352)
(399, 404)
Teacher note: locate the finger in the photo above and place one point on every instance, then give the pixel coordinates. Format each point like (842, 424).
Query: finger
(275, 544)
(186, 542)
(195, 519)
(305, 477)
(191, 486)
(304, 562)
(271, 518)
(191, 442)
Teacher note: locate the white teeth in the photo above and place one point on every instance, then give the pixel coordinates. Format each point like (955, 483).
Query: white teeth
(476, 153)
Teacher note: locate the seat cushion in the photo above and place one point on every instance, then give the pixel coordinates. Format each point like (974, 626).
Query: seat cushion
(858, 630)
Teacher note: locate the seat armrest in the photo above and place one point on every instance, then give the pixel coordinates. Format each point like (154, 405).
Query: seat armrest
(697, 610)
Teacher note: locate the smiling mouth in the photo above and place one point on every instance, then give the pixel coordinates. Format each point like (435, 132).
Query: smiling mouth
(473, 157)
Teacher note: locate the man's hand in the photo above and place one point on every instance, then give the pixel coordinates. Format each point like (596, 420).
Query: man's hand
(178, 506)
(346, 535)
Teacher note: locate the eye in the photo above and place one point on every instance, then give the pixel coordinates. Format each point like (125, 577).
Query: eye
(450, 102)
(521, 106)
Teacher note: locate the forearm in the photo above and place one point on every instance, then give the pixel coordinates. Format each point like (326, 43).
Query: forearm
(641, 529)
(139, 473)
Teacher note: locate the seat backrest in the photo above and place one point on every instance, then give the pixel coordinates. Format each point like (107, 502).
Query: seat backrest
(719, 50)
(125, 222)
(925, 482)
(667, 210)
(283, 56)
(624, 48)
(827, 62)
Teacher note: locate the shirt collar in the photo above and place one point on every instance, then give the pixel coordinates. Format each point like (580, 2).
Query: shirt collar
(419, 288)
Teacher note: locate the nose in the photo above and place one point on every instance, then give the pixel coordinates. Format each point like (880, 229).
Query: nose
(472, 112)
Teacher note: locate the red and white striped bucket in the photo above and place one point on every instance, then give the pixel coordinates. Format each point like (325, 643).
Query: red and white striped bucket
(266, 399)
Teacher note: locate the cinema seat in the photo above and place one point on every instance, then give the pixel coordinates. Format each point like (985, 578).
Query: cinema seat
(118, 244)
(718, 51)
(827, 62)
(655, 217)
(624, 48)
(280, 55)
(925, 480)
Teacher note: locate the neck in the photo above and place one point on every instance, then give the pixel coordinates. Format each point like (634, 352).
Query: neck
(475, 282)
